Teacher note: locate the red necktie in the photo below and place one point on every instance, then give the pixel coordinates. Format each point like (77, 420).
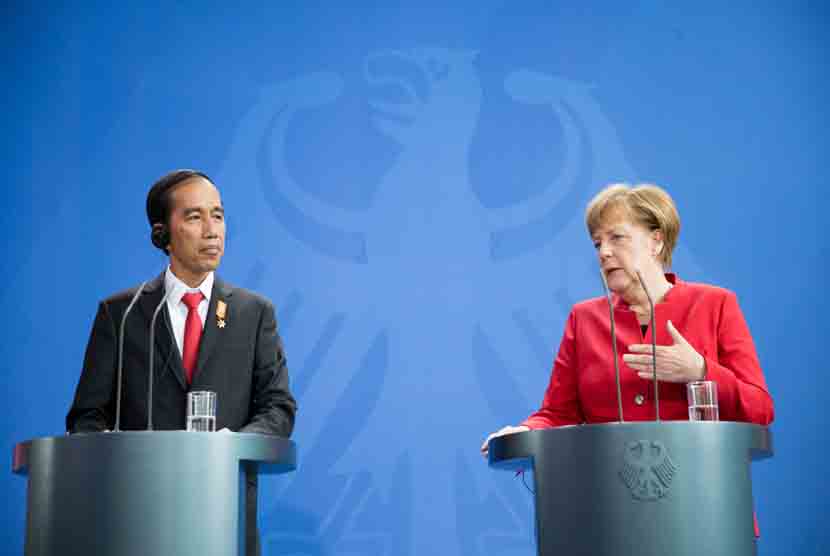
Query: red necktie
(192, 333)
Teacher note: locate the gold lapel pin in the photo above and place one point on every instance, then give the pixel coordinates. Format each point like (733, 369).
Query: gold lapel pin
(221, 312)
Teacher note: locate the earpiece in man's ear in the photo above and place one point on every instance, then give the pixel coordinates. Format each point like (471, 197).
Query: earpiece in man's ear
(160, 236)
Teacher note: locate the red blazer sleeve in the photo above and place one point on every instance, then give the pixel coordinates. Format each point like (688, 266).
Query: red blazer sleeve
(561, 402)
(742, 390)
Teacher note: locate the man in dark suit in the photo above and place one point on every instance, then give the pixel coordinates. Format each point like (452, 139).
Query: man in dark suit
(210, 336)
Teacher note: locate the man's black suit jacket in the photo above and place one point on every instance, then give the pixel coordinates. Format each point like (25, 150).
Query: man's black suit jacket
(243, 362)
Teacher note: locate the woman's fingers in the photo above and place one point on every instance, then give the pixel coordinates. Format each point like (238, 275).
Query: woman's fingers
(501, 432)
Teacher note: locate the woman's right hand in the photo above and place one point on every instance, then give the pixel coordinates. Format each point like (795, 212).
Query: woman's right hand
(501, 432)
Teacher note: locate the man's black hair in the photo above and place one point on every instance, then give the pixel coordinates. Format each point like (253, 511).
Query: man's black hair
(158, 204)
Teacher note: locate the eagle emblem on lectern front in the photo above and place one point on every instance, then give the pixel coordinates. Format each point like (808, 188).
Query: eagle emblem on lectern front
(647, 469)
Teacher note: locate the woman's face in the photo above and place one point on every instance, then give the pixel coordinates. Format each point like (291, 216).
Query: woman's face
(623, 247)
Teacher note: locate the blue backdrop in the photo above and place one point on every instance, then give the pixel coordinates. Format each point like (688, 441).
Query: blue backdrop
(407, 182)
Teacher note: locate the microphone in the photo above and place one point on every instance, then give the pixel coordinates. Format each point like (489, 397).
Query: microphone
(152, 352)
(117, 426)
(613, 344)
(653, 348)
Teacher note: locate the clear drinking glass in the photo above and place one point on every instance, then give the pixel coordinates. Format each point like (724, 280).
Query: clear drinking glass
(703, 400)
(201, 411)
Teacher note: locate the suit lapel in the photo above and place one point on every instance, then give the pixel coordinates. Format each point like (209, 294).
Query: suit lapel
(212, 334)
(167, 352)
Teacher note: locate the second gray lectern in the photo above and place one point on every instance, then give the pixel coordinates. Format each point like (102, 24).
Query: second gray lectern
(644, 489)
(138, 493)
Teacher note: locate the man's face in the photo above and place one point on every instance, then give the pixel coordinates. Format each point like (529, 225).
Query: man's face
(197, 230)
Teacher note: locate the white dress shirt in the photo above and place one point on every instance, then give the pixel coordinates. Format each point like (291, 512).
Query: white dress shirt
(178, 310)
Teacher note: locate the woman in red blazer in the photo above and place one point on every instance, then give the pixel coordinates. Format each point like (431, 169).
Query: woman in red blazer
(700, 331)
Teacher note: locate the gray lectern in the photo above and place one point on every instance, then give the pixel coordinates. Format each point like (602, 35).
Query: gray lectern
(138, 493)
(645, 489)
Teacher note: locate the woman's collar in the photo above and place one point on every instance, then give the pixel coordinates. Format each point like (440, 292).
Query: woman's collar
(671, 277)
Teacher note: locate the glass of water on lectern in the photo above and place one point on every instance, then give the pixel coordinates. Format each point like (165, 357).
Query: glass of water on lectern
(201, 411)
(703, 400)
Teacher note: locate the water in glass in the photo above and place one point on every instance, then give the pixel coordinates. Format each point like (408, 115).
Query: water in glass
(201, 423)
(703, 412)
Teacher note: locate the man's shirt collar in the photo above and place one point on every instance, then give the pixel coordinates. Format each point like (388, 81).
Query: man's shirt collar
(171, 281)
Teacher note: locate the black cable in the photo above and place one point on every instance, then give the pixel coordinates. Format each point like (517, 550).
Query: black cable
(524, 482)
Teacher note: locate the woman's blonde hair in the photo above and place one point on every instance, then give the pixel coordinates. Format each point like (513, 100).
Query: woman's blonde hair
(644, 204)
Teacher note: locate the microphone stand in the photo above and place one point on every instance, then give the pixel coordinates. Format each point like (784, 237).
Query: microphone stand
(614, 345)
(117, 426)
(653, 348)
(152, 353)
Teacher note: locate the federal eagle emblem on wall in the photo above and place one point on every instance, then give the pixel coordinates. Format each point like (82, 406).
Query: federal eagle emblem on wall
(647, 469)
